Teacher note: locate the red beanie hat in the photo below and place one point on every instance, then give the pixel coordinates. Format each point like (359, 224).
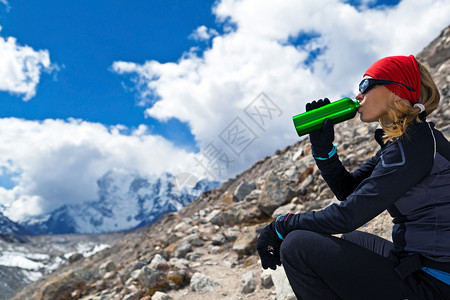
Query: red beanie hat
(402, 69)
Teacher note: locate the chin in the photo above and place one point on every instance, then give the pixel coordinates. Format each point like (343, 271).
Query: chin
(366, 120)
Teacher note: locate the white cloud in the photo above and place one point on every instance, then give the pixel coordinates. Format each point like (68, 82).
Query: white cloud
(21, 67)
(217, 92)
(59, 162)
(209, 90)
(203, 33)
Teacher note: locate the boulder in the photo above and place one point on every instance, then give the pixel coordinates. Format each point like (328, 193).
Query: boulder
(63, 286)
(243, 189)
(248, 283)
(150, 278)
(246, 241)
(282, 287)
(266, 279)
(159, 263)
(275, 193)
(183, 248)
(202, 284)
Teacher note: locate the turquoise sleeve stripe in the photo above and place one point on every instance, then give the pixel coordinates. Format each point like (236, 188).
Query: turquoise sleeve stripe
(330, 154)
(278, 234)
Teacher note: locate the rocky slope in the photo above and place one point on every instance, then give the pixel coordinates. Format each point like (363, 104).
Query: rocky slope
(207, 250)
(126, 200)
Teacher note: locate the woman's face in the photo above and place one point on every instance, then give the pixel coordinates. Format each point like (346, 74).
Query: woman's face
(375, 103)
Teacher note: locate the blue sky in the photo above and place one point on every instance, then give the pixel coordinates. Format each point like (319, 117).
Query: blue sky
(145, 87)
(84, 38)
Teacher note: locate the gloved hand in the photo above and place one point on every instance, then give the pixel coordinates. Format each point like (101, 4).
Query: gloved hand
(268, 246)
(270, 239)
(321, 140)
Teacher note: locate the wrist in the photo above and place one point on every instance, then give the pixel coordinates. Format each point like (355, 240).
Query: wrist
(323, 155)
(279, 227)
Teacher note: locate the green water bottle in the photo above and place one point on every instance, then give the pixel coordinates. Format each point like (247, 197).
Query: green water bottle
(337, 111)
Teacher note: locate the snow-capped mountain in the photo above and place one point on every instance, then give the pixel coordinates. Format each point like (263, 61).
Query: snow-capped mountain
(126, 200)
(10, 228)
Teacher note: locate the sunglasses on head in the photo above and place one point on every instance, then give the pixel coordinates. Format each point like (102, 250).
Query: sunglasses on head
(368, 83)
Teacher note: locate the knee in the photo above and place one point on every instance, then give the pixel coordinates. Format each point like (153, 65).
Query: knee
(351, 236)
(297, 241)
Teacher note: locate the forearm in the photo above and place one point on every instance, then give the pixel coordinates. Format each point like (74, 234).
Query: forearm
(340, 181)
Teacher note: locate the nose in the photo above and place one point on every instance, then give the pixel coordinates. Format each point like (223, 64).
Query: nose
(359, 96)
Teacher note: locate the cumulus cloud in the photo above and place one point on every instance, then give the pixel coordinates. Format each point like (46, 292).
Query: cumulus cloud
(56, 162)
(238, 95)
(21, 67)
(203, 33)
(293, 51)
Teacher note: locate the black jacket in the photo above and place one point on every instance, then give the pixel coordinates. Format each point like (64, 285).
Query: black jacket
(409, 177)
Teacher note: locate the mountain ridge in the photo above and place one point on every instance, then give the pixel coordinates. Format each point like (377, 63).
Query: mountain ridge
(126, 200)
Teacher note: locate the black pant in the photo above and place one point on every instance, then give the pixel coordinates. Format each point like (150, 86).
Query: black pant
(358, 266)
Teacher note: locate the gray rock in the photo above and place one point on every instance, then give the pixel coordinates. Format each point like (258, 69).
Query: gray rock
(266, 279)
(137, 266)
(179, 263)
(183, 248)
(150, 278)
(195, 240)
(299, 153)
(173, 237)
(193, 256)
(214, 249)
(212, 215)
(219, 239)
(75, 257)
(131, 296)
(243, 189)
(161, 296)
(108, 266)
(246, 241)
(282, 287)
(254, 195)
(275, 193)
(285, 209)
(248, 283)
(135, 274)
(159, 263)
(202, 284)
(308, 180)
(232, 233)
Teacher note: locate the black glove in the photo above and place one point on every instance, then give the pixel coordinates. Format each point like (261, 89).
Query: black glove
(268, 246)
(321, 140)
(272, 236)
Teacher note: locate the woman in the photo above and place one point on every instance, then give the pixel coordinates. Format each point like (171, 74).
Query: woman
(409, 176)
